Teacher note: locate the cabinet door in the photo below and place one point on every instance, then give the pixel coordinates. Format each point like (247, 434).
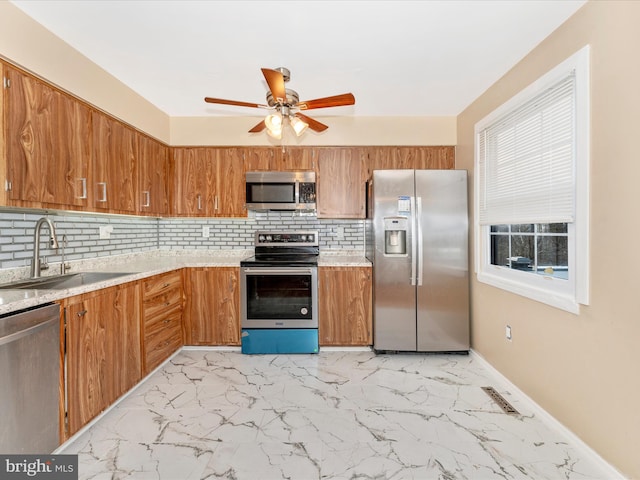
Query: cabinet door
(192, 187)
(48, 147)
(153, 176)
(341, 183)
(421, 158)
(229, 190)
(103, 350)
(411, 157)
(345, 306)
(114, 155)
(3, 149)
(258, 159)
(212, 308)
(296, 159)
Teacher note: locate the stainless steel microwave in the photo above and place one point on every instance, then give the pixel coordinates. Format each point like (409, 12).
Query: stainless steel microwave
(281, 190)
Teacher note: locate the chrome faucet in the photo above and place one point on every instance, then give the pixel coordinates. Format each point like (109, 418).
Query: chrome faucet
(53, 242)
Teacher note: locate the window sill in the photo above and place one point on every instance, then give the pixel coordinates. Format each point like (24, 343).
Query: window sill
(549, 297)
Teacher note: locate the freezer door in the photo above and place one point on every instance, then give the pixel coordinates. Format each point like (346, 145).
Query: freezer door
(443, 265)
(394, 313)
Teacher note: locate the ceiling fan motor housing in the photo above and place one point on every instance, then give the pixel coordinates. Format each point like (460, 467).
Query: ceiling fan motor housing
(291, 100)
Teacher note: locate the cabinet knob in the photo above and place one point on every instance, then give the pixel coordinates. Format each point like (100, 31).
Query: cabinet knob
(82, 313)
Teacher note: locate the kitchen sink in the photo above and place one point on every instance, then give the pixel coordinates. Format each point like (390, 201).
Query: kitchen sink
(62, 282)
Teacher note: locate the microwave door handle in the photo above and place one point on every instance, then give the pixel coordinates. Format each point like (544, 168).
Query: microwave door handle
(296, 193)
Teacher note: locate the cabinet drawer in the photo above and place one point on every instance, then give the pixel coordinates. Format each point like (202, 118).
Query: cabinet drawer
(159, 346)
(170, 321)
(169, 300)
(161, 283)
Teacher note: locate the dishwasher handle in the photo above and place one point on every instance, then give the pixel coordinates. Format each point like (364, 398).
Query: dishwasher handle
(17, 332)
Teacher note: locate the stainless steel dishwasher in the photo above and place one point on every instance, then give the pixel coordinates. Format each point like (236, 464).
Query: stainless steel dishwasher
(29, 380)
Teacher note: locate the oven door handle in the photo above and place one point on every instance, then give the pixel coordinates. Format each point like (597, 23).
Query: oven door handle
(268, 270)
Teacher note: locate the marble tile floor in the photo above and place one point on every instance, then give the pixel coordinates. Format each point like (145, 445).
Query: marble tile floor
(336, 415)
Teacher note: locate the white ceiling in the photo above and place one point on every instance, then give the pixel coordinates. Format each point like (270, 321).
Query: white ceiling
(406, 58)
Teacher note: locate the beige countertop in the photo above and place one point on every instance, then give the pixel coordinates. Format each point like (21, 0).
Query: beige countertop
(140, 266)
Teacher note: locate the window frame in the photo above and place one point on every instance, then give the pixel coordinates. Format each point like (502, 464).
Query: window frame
(568, 294)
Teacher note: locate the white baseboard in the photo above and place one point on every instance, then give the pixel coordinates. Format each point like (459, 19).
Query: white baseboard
(585, 449)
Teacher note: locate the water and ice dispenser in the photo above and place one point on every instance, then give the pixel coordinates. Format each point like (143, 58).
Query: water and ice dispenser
(395, 235)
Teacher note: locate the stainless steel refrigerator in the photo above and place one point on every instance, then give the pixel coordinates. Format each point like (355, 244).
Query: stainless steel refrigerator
(416, 237)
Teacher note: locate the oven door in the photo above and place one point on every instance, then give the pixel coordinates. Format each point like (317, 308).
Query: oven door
(279, 297)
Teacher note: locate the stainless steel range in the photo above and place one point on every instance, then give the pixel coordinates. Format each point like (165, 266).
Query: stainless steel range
(279, 293)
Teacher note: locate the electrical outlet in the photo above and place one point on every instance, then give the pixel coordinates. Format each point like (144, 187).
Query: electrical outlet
(507, 332)
(104, 232)
(340, 233)
(205, 231)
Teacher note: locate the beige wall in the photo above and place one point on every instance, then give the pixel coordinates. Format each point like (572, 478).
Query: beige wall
(346, 130)
(583, 369)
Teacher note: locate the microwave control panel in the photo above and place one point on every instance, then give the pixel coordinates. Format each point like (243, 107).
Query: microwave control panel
(307, 192)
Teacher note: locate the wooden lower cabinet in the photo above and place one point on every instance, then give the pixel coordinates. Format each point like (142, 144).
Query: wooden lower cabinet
(162, 333)
(212, 308)
(344, 298)
(103, 350)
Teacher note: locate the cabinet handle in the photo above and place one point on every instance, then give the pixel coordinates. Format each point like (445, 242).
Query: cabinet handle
(103, 185)
(166, 304)
(199, 202)
(166, 321)
(215, 203)
(82, 313)
(166, 285)
(147, 199)
(83, 188)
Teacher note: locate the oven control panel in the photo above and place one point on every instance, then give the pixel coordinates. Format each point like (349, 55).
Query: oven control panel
(286, 238)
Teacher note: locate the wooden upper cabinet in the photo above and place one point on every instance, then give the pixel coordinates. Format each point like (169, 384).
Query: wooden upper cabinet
(3, 151)
(229, 182)
(192, 181)
(47, 143)
(297, 159)
(257, 159)
(153, 177)
(114, 158)
(292, 159)
(341, 182)
(411, 157)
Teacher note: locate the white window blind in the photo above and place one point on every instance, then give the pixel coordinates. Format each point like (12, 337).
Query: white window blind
(527, 161)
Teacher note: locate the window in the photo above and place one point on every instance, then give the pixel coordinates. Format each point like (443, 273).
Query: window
(532, 160)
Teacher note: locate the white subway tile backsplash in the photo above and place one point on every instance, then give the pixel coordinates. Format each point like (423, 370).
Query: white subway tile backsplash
(137, 234)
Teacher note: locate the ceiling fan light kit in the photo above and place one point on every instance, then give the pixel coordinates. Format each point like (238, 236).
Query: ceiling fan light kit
(286, 104)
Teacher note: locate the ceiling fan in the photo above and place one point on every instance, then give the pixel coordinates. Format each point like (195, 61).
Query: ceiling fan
(286, 104)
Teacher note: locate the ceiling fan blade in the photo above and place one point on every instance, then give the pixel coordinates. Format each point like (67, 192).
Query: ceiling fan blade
(314, 125)
(233, 102)
(275, 80)
(259, 127)
(334, 101)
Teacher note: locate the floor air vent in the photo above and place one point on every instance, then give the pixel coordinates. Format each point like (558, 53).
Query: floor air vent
(500, 400)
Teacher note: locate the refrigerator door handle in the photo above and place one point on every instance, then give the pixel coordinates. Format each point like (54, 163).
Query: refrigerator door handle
(419, 242)
(413, 242)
